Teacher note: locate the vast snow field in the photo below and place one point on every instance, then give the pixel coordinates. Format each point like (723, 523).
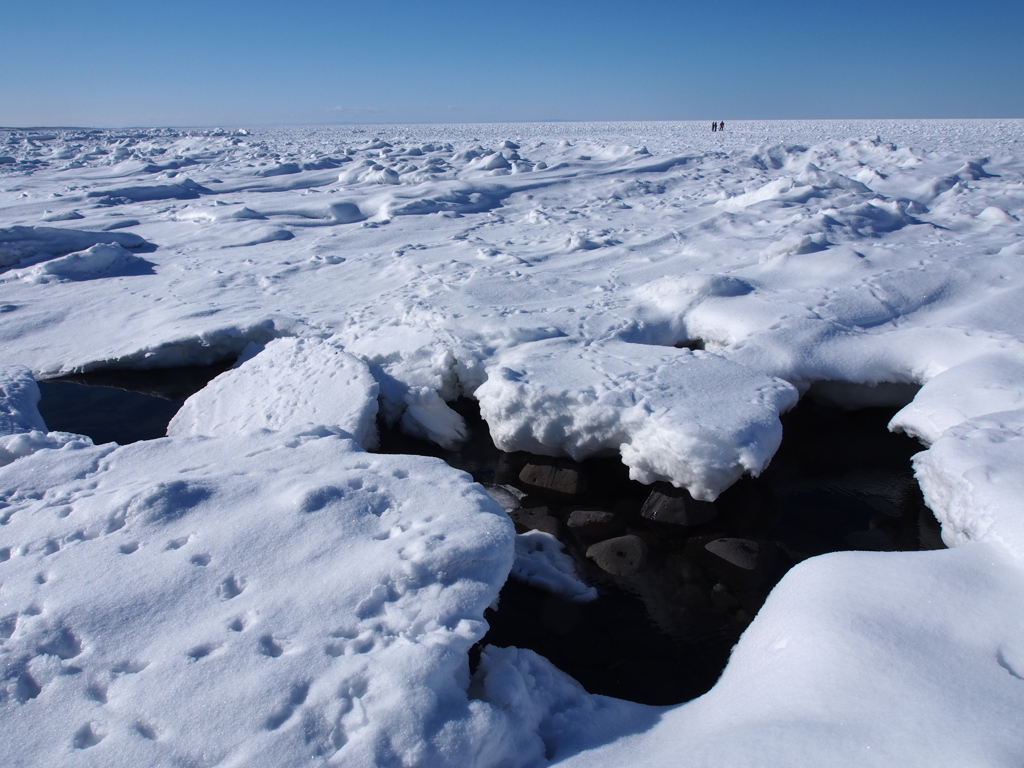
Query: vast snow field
(261, 588)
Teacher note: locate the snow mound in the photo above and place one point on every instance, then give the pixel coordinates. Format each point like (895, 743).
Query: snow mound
(184, 190)
(287, 384)
(62, 216)
(101, 260)
(691, 418)
(281, 169)
(260, 236)
(460, 199)
(27, 245)
(782, 190)
(261, 600)
(332, 213)
(814, 176)
(208, 213)
(665, 292)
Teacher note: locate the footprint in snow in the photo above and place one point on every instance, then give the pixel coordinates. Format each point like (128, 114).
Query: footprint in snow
(296, 698)
(62, 643)
(230, 588)
(129, 667)
(87, 736)
(97, 691)
(270, 647)
(202, 651)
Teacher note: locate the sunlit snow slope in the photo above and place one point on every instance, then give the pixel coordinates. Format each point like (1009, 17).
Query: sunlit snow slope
(257, 589)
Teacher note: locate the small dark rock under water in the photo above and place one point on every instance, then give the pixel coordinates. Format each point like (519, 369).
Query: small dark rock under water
(678, 580)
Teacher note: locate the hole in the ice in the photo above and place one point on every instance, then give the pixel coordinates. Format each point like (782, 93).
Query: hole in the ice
(662, 633)
(661, 630)
(691, 344)
(121, 406)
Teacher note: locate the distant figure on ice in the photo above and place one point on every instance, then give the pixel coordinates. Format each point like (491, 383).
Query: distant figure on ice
(714, 126)
(721, 125)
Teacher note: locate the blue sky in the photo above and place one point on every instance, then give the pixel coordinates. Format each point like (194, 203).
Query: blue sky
(225, 62)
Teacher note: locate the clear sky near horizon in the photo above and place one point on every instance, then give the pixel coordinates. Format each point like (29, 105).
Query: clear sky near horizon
(216, 62)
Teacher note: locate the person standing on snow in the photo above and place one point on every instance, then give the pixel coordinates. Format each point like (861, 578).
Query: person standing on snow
(721, 125)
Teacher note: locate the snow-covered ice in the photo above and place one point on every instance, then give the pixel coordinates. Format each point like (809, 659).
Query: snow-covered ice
(651, 405)
(285, 591)
(258, 589)
(263, 392)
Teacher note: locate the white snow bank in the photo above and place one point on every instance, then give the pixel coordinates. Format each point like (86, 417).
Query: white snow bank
(21, 444)
(691, 418)
(972, 480)
(248, 236)
(814, 176)
(265, 599)
(982, 385)
(542, 562)
(19, 400)
(289, 383)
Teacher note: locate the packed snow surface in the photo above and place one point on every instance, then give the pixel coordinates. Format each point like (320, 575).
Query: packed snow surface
(257, 589)
(262, 392)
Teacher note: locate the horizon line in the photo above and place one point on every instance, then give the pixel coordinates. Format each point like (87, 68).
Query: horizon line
(349, 124)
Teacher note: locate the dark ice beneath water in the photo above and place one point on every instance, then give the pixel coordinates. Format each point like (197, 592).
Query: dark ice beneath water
(660, 632)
